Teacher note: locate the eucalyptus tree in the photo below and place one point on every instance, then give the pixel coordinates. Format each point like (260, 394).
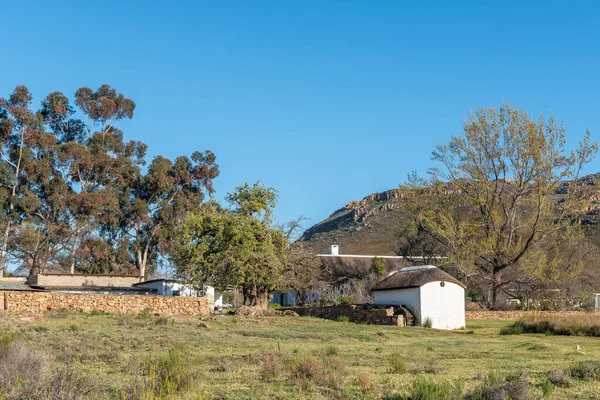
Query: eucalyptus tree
(18, 124)
(156, 203)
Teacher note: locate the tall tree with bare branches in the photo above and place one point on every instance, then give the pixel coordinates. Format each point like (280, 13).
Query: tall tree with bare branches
(500, 193)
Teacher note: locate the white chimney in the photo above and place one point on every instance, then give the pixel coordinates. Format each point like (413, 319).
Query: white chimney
(334, 250)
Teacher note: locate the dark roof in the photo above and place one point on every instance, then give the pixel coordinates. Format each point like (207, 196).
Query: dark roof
(415, 278)
(343, 266)
(15, 285)
(157, 280)
(128, 289)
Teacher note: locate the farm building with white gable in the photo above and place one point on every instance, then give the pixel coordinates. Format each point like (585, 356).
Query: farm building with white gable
(428, 292)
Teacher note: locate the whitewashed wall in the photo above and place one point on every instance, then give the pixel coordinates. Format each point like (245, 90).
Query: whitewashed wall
(445, 305)
(409, 297)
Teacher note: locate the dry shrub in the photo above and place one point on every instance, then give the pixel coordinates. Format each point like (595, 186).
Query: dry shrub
(335, 372)
(365, 384)
(307, 369)
(425, 388)
(20, 367)
(569, 325)
(161, 321)
(272, 366)
(170, 373)
(559, 378)
(428, 367)
(585, 370)
(304, 367)
(502, 388)
(65, 383)
(396, 364)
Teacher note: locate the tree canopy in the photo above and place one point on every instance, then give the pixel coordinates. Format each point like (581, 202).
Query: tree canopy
(76, 196)
(235, 246)
(499, 200)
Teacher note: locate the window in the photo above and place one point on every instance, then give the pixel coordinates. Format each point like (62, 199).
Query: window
(176, 292)
(442, 284)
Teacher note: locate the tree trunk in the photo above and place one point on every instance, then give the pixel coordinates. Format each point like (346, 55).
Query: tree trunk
(258, 298)
(35, 266)
(74, 251)
(496, 288)
(3, 252)
(17, 167)
(141, 261)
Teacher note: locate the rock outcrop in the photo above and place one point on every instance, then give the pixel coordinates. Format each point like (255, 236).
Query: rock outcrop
(371, 225)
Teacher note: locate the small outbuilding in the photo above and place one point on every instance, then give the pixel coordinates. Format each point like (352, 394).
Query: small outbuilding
(428, 292)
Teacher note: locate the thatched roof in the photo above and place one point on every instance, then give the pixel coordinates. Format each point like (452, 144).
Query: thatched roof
(344, 266)
(415, 277)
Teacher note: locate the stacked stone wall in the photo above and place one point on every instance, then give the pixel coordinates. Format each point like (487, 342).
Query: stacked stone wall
(119, 304)
(359, 314)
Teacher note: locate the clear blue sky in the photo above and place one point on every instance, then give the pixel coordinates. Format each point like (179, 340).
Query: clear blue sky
(327, 101)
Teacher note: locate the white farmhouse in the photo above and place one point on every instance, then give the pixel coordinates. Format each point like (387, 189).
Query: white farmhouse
(172, 287)
(426, 291)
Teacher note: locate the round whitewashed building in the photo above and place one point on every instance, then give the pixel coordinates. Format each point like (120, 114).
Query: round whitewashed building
(428, 292)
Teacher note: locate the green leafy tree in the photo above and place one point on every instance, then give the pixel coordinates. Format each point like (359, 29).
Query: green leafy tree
(236, 246)
(493, 203)
(378, 267)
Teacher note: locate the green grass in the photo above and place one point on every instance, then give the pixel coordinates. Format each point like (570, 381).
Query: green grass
(276, 357)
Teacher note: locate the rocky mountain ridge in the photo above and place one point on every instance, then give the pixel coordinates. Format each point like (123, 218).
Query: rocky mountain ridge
(369, 226)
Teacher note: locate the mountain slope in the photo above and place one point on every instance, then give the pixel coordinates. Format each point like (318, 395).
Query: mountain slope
(370, 226)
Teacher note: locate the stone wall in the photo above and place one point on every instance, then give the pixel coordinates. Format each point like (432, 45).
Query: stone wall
(360, 314)
(119, 304)
(516, 314)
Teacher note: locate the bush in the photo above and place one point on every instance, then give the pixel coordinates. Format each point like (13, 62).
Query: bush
(495, 387)
(396, 365)
(427, 323)
(335, 372)
(365, 384)
(559, 378)
(170, 373)
(7, 338)
(345, 300)
(332, 351)
(511, 330)
(585, 370)
(428, 367)
(343, 318)
(65, 383)
(272, 366)
(569, 325)
(20, 367)
(162, 321)
(98, 312)
(547, 389)
(424, 388)
(306, 369)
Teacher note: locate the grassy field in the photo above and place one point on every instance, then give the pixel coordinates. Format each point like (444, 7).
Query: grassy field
(117, 356)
